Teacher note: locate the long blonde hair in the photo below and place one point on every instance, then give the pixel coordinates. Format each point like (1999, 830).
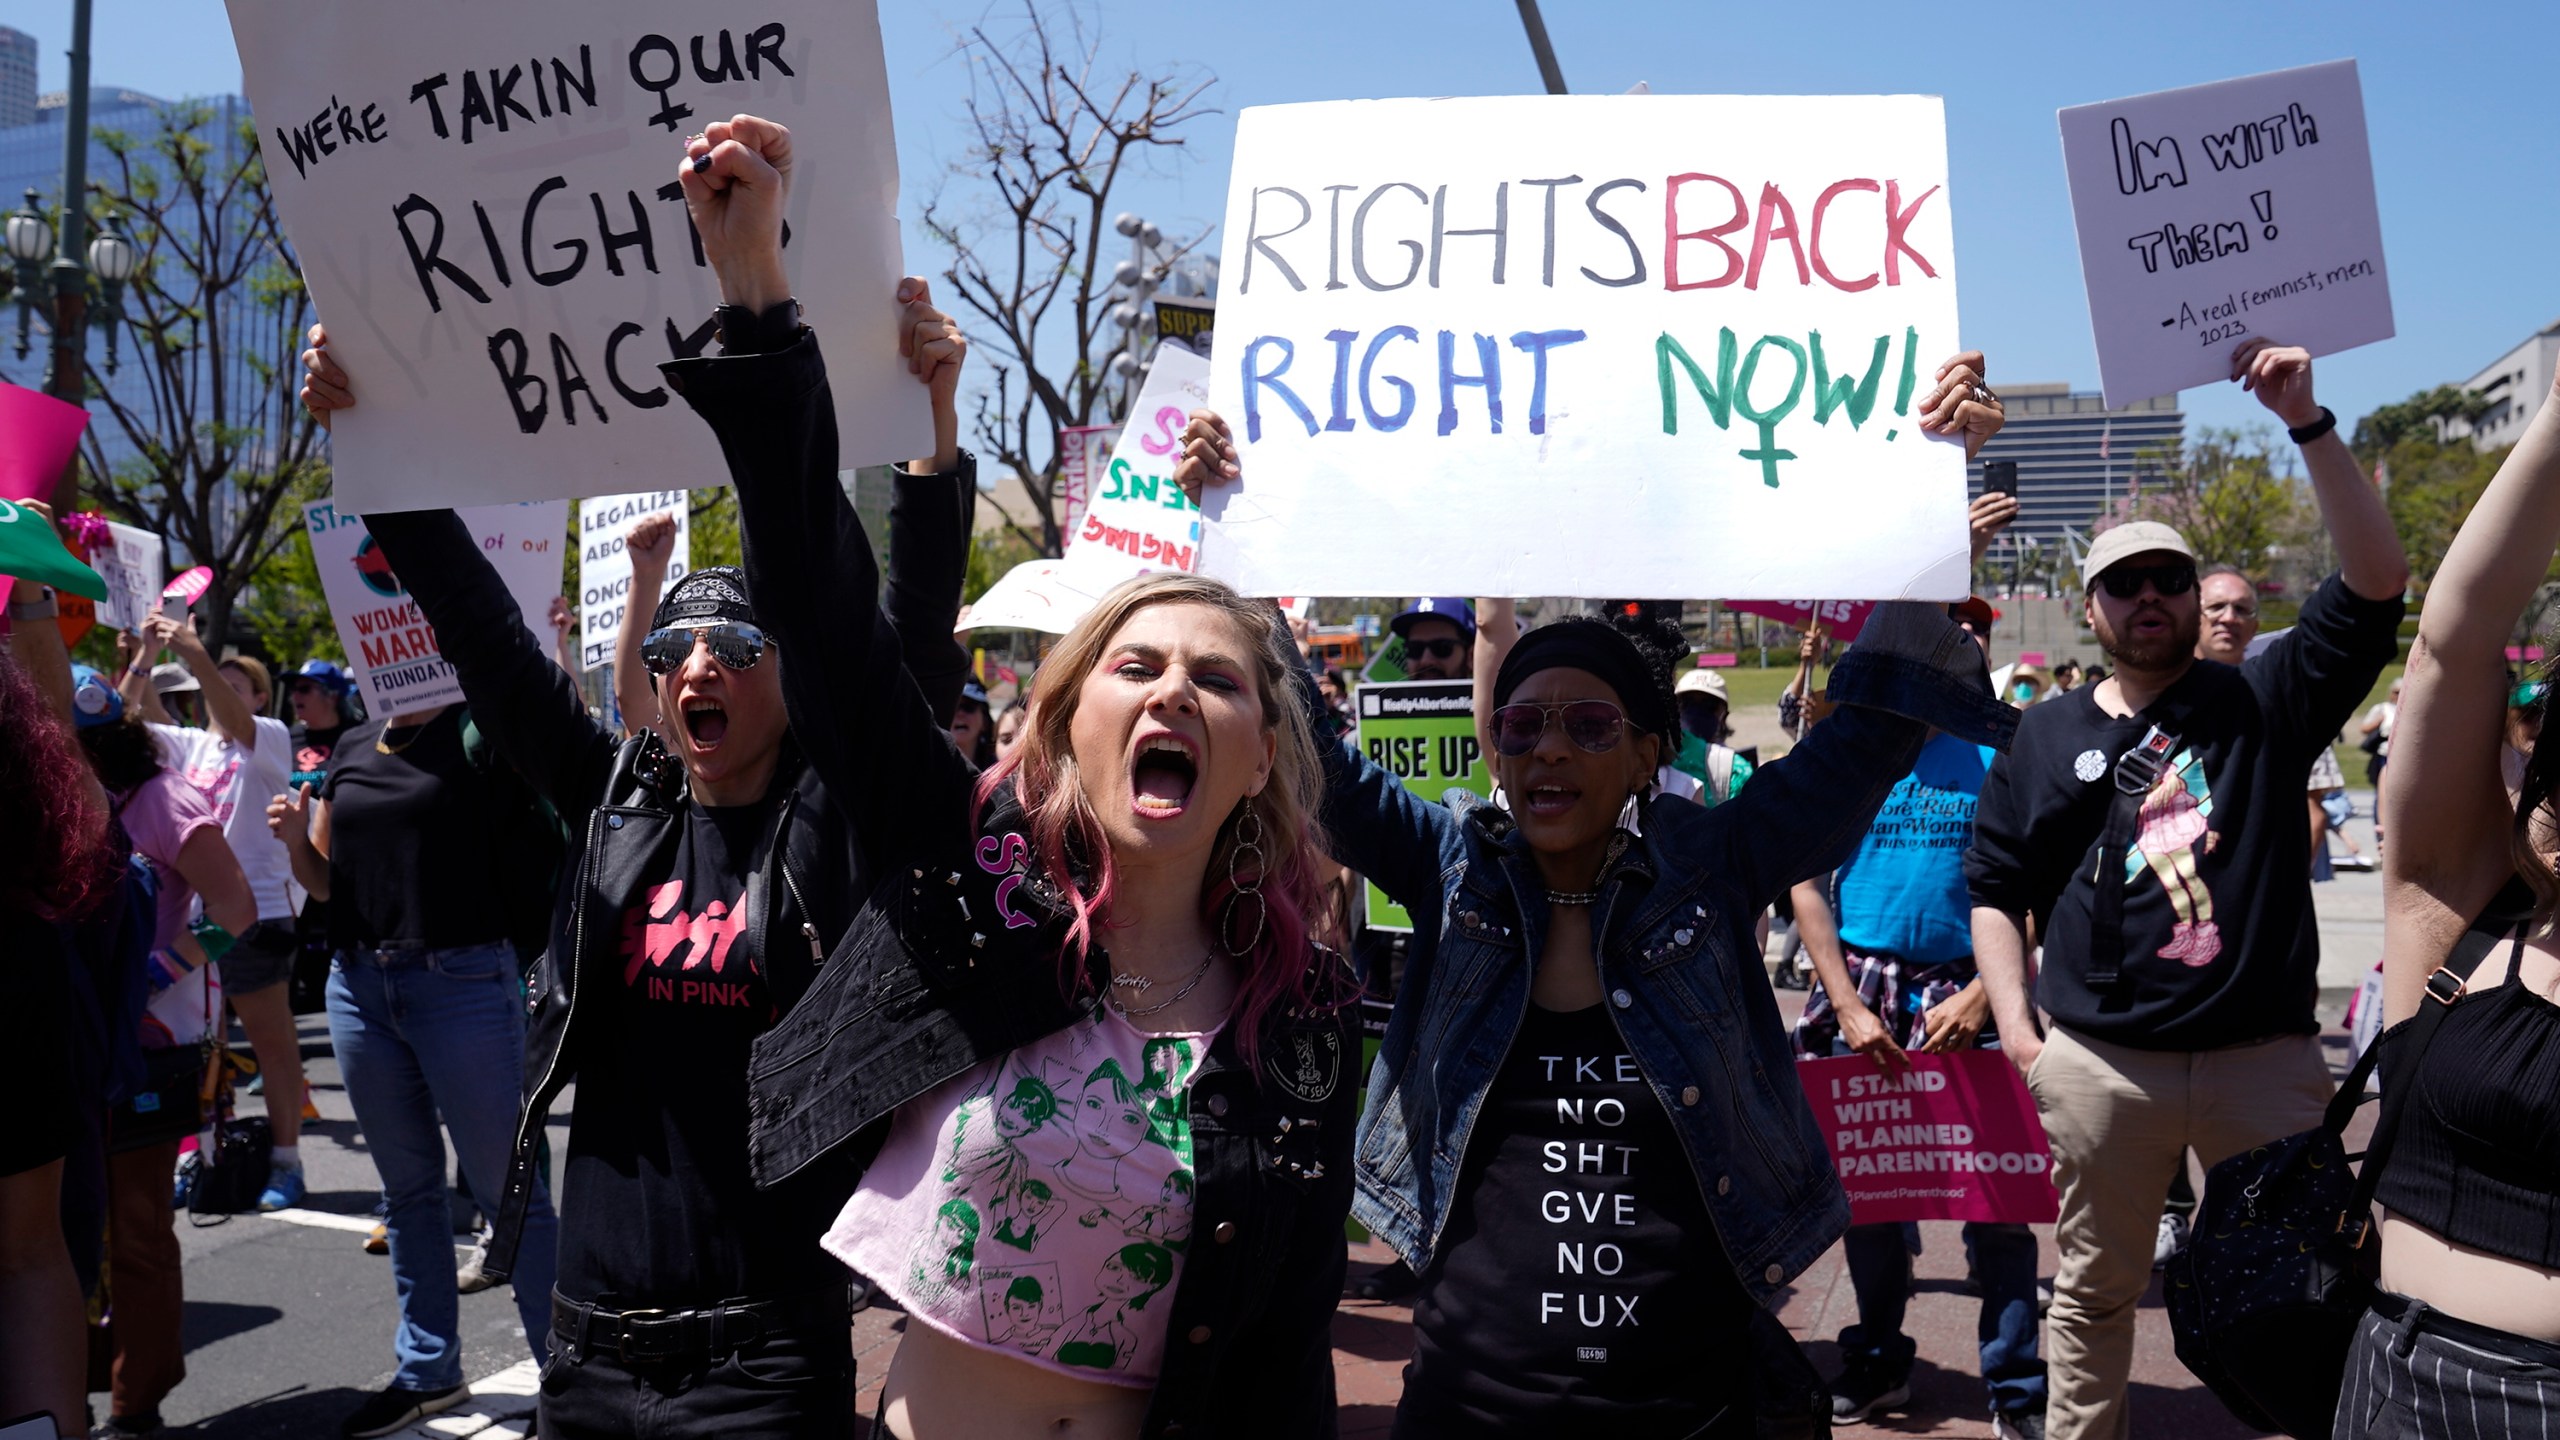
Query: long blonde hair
(1068, 840)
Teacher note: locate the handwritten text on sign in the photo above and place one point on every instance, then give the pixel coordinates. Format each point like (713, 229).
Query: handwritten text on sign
(604, 566)
(483, 200)
(387, 638)
(2221, 212)
(1953, 1137)
(1624, 344)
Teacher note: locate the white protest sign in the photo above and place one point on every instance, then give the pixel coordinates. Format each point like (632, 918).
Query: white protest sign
(389, 644)
(1135, 518)
(1589, 345)
(135, 565)
(2221, 212)
(604, 567)
(483, 201)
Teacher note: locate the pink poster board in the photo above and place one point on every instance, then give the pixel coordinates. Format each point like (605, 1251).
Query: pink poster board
(37, 435)
(1952, 1137)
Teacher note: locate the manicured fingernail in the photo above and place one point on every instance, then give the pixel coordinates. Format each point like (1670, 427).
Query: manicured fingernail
(701, 163)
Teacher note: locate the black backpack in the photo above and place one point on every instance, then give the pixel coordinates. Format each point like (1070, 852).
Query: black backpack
(2265, 1300)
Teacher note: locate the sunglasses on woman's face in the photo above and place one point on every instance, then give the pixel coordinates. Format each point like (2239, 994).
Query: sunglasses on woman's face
(2126, 581)
(735, 644)
(1431, 649)
(1595, 725)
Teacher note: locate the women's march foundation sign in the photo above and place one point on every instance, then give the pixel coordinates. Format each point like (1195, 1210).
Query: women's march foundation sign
(483, 200)
(1952, 1137)
(389, 644)
(1589, 345)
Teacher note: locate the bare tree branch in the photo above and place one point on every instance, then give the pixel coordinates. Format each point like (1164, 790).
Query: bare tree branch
(1052, 136)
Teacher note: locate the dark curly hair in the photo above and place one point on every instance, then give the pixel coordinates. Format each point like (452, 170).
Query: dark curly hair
(2539, 793)
(1663, 647)
(122, 752)
(57, 857)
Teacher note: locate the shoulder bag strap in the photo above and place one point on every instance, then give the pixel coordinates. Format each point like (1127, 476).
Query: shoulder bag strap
(2444, 987)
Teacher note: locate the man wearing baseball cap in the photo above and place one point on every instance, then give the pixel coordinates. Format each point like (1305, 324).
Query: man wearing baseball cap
(1439, 634)
(2152, 825)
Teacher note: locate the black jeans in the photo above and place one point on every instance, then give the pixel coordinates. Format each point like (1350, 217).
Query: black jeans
(797, 1385)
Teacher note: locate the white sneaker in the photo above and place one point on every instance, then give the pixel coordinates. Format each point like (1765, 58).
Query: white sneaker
(2171, 1240)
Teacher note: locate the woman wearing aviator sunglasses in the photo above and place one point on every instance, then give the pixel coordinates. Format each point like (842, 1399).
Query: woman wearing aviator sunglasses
(1584, 1130)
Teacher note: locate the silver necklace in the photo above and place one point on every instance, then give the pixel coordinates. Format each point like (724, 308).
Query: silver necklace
(1573, 897)
(1142, 984)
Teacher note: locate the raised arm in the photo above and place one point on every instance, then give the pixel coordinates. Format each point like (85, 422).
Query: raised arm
(519, 696)
(2451, 815)
(1497, 630)
(1378, 827)
(651, 544)
(2370, 557)
(857, 712)
(226, 714)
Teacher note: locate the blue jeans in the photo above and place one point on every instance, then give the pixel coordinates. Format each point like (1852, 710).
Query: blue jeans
(2004, 1262)
(421, 1033)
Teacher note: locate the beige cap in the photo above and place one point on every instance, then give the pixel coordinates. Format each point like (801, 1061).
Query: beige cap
(1702, 681)
(2134, 537)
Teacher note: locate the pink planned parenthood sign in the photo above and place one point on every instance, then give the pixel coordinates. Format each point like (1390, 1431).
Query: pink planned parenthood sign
(1951, 1137)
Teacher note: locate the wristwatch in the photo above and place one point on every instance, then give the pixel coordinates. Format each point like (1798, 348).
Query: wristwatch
(45, 609)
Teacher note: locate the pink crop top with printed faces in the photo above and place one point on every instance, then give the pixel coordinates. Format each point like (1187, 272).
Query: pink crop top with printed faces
(1039, 1205)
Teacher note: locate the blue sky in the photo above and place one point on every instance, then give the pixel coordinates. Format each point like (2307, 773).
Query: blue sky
(2457, 96)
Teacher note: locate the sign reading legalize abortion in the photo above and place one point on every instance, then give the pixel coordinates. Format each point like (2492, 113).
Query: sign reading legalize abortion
(1952, 1137)
(1423, 732)
(2215, 214)
(483, 201)
(1589, 345)
(604, 566)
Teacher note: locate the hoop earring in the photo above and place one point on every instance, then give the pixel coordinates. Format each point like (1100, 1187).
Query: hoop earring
(1248, 838)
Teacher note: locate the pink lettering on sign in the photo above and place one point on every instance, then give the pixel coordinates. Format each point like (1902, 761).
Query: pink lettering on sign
(1842, 619)
(1951, 1137)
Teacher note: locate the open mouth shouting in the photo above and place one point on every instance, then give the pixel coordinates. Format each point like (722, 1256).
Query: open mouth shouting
(1162, 771)
(1551, 797)
(706, 722)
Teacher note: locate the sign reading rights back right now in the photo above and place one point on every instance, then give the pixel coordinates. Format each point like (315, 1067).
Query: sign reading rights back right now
(2215, 214)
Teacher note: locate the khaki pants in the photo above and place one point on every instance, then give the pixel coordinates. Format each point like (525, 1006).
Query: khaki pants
(2120, 1121)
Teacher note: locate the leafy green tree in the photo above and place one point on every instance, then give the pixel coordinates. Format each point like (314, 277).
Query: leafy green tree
(2230, 492)
(2421, 416)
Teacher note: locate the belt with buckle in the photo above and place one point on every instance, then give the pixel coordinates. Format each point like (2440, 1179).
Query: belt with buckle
(657, 1337)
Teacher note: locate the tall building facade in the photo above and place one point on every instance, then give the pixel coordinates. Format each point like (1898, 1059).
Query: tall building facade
(2075, 456)
(2515, 385)
(17, 78)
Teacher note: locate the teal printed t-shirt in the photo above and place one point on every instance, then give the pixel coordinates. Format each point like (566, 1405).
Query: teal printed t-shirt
(1903, 892)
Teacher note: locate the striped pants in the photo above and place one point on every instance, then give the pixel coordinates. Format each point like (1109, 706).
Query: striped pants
(2416, 1371)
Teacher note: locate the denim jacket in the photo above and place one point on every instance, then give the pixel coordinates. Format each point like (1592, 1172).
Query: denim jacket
(955, 956)
(1678, 964)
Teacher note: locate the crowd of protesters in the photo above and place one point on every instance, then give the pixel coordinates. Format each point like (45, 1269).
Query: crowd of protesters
(1040, 1020)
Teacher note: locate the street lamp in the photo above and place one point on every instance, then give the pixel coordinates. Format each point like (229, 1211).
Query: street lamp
(112, 260)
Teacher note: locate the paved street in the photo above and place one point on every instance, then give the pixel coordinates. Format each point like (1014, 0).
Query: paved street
(288, 1321)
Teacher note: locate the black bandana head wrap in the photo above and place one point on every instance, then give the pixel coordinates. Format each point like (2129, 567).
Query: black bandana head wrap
(706, 597)
(1600, 648)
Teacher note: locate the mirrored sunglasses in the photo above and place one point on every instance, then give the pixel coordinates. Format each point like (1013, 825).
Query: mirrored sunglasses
(735, 644)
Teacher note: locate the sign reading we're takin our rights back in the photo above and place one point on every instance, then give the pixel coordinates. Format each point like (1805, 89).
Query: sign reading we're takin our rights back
(483, 199)
(1589, 345)
(2215, 214)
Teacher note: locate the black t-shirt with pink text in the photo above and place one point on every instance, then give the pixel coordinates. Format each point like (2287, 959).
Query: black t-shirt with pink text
(657, 1206)
(1579, 1287)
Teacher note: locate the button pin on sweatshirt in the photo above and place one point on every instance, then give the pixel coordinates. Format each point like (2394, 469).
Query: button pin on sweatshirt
(2089, 766)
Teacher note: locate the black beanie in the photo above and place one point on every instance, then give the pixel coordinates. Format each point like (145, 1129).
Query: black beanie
(1582, 643)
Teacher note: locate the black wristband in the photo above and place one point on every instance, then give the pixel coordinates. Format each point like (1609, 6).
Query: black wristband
(2305, 434)
(749, 332)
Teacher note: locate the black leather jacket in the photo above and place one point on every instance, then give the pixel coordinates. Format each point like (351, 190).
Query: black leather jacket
(624, 802)
(955, 958)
